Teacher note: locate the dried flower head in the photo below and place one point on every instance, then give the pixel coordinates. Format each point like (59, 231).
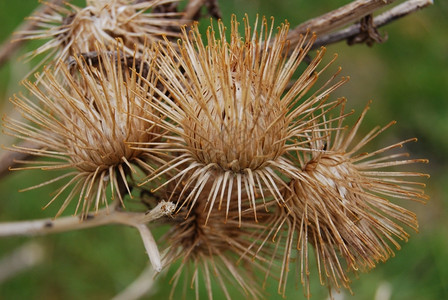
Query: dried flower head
(232, 119)
(344, 204)
(216, 252)
(83, 122)
(74, 30)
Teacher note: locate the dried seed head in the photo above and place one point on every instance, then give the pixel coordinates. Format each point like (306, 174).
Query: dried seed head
(84, 121)
(342, 205)
(217, 252)
(232, 123)
(245, 131)
(73, 30)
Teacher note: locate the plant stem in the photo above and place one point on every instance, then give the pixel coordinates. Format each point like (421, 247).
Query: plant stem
(104, 216)
(337, 18)
(385, 18)
(142, 286)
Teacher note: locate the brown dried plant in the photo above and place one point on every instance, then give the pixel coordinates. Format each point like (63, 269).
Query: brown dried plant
(232, 120)
(82, 121)
(236, 130)
(345, 205)
(214, 250)
(71, 30)
(236, 137)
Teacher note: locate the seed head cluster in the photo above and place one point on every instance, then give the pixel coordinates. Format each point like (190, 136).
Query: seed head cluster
(233, 123)
(237, 129)
(71, 30)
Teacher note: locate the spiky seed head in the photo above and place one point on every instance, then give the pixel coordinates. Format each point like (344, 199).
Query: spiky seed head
(83, 122)
(218, 252)
(233, 121)
(72, 30)
(345, 204)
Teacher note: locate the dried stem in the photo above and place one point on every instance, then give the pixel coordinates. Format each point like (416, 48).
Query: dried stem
(12, 44)
(385, 18)
(150, 245)
(337, 18)
(142, 286)
(102, 217)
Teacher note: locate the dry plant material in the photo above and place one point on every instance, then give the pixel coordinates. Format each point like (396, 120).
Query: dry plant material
(364, 33)
(214, 252)
(71, 30)
(83, 121)
(232, 121)
(345, 205)
(244, 143)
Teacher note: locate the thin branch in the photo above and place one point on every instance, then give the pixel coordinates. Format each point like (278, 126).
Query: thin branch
(47, 226)
(337, 18)
(12, 44)
(385, 18)
(150, 246)
(102, 217)
(142, 286)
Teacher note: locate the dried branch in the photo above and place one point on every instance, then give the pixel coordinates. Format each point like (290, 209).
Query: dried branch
(150, 245)
(337, 18)
(102, 217)
(12, 44)
(385, 18)
(142, 286)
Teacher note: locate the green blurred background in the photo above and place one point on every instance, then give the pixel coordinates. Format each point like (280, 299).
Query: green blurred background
(407, 79)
